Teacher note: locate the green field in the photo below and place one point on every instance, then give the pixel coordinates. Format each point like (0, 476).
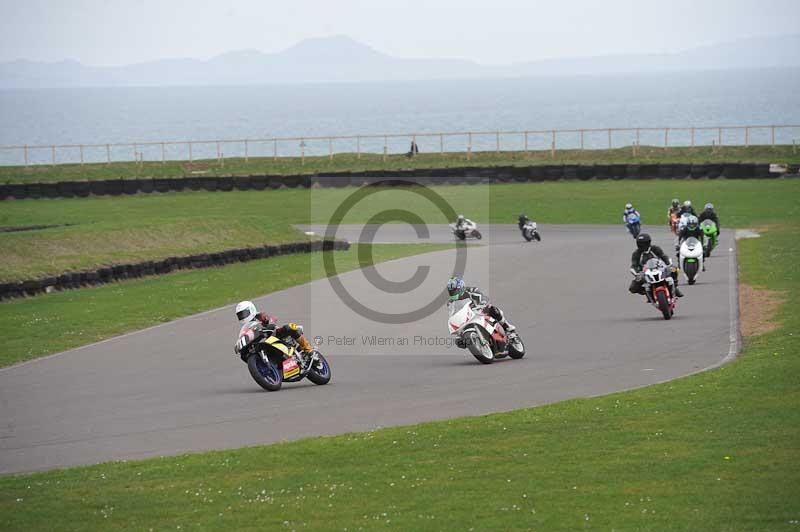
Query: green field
(79, 317)
(110, 230)
(351, 162)
(714, 451)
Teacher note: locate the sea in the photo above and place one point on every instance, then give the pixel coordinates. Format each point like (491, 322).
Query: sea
(134, 116)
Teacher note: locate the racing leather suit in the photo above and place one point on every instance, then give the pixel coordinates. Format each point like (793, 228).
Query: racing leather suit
(521, 221)
(685, 209)
(625, 214)
(292, 330)
(685, 233)
(639, 259)
(465, 225)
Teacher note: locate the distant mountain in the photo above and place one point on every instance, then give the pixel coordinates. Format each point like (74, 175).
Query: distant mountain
(341, 59)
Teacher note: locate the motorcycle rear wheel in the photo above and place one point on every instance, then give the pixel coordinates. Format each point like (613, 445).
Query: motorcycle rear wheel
(266, 374)
(479, 348)
(663, 305)
(320, 373)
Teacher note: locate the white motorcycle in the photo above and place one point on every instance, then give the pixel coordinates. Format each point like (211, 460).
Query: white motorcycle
(470, 231)
(485, 338)
(691, 259)
(530, 232)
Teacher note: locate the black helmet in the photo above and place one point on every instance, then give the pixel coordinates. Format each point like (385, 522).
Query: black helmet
(643, 241)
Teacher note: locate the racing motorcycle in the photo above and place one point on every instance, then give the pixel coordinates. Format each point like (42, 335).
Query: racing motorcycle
(469, 232)
(710, 230)
(673, 223)
(691, 258)
(659, 286)
(530, 232)
(273, 361)
(634, 225)
(485, 338)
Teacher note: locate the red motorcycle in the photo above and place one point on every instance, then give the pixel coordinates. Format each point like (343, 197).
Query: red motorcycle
(659, 286)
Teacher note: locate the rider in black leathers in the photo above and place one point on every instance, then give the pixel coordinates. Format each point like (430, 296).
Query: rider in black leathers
(644, 252)
(709, 214)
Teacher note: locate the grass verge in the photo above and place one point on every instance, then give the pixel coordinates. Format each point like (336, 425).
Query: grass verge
(714, 451)
(147, 227)
(79, 317)
(352, 162)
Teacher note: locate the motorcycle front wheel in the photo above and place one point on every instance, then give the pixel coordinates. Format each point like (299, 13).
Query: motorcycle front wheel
(663, 305)
(477, 234)
(479, 348)
(264, 372)
(320, 372)
(516, 349)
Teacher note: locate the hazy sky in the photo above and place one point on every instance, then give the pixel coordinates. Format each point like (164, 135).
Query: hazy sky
(114, 32)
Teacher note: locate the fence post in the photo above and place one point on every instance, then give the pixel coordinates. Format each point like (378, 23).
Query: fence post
(302, 152)
(441, 144)
(746, 137)
(358, 147)
(385, 147)
(497, 142)
(609, 139)
(469, 146)
(218, 152)
(81, 147)
(26, 154)
(53, 154)
(190, 152)
(692, 137)
(135, 153)
(553, 144)
(330, 148)
(666, 137)
(773, 136)
(246, 155)
(526, 142)
(108, 154)
(582, 139)
(275, 150)
(719, 136)
(637, 136)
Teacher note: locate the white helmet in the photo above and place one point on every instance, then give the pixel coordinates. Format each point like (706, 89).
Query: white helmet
(687, 203)
(629, 206)
(245, 311)
(709, 206)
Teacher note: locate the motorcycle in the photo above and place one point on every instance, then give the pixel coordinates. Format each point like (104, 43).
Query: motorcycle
(633, 223)
(469, 232)
(673, 223)
(485, 338)
(711, 232)
(530, 232)
(659, 286)
(691, 258)
(273, 361)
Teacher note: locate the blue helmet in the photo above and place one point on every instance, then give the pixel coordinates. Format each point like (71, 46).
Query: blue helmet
(455, 288)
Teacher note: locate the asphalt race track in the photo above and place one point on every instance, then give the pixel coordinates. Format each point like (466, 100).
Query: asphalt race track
(178, 387)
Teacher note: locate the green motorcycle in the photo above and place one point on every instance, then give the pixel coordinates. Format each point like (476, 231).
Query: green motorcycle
(710, 230)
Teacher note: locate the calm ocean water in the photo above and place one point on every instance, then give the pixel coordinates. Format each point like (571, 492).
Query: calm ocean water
(118, 115)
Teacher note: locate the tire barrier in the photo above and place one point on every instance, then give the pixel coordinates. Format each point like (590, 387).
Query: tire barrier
(432, 176)
(118, 272)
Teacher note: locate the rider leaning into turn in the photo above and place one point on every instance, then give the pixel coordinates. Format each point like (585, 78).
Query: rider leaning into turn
(458, 291)
(644, 252)
(522, 220)
(709, 214)
(464, 224)
(246, 312)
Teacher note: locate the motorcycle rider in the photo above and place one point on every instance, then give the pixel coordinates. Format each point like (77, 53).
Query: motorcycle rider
(522, 220)
(644, 252)
(246, 312)
(709, 214)
(673, 209)
(686, 208)
(629, 210)
(457, 290)
(465, 224)
(691, 229)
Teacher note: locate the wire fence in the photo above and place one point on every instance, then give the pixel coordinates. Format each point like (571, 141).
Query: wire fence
(465, 142)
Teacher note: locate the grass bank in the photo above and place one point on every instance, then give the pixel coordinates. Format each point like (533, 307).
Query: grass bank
(78, 317)
(108, 230)
(351, 162)
(714, 451)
